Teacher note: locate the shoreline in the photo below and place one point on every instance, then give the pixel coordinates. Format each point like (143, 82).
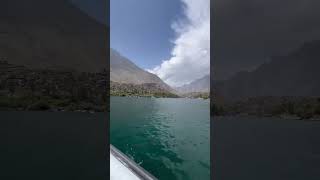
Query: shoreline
(142, 96)
(282, 117)
(50, 104)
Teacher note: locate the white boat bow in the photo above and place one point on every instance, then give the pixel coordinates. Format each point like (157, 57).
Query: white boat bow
(123, 168)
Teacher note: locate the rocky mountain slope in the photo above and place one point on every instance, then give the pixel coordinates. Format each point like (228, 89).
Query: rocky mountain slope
(199, 85)
(128, 79)
(295, 74)
(54, 34)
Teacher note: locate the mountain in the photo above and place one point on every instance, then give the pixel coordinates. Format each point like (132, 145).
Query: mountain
(51, 34)
(126, 77)
(122, 70)
(294, 74)
(199, 85)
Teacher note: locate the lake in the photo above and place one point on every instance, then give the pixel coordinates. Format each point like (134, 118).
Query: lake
(169, 137)
(53, 145)
(253, 148)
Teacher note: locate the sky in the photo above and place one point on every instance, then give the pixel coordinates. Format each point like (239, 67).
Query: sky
(248, 33)
(140, 29)
(170, 38)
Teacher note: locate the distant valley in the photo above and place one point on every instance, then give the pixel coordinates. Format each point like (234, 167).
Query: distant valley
(199, 88)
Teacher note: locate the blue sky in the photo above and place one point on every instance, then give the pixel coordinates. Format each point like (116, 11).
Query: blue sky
(170, 38)
(141, 29)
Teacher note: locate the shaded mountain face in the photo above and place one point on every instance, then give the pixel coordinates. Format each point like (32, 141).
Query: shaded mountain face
(199, 85)
(122, 70)
(51, 34)
(295, 74)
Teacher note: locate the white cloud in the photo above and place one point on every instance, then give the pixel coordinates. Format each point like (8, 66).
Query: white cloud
(190, 57)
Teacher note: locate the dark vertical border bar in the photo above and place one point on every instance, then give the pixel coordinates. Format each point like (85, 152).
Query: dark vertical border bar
(46, 40)
(212, 132)
(107, 15)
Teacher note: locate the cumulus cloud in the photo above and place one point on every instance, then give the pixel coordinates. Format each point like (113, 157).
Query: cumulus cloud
(190, 56)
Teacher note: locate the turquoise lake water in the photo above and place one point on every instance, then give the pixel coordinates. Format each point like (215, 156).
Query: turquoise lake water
(169, 137)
